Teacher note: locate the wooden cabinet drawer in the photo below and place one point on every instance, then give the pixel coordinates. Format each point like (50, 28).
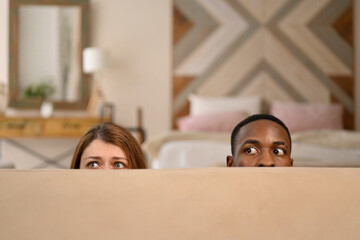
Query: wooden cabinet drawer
(68, 127)
(20, 127)
(14, 127)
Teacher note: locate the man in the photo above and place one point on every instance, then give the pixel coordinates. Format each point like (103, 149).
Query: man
(260, 141)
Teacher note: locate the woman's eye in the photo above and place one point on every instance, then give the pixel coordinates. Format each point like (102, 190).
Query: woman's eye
(250, 150)
(279, 151)
(119, 165)
(92, 165)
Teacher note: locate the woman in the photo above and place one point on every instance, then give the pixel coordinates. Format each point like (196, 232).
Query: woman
(108, 146)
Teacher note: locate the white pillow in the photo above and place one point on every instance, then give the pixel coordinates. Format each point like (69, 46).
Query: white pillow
(205, 105)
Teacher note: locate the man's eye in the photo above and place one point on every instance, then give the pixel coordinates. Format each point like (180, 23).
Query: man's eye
(92, 165)
(279, 151)
(119, 165)
(250, 150)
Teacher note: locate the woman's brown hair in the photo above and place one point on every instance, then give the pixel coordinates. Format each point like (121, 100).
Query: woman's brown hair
(112, 134)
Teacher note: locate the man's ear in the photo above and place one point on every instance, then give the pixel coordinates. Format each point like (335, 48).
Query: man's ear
(292, 162)
(230, 161)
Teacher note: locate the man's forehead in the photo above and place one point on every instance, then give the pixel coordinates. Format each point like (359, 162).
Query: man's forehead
(262, 128)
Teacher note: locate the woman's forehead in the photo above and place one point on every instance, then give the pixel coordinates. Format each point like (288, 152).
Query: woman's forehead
(98, 146)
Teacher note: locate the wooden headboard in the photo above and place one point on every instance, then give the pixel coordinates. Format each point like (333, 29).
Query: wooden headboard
(229, 48)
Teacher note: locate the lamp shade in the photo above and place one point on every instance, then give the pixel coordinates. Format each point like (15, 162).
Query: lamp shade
(94, 60)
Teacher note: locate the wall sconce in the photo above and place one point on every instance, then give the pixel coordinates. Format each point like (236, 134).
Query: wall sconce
(94, 62)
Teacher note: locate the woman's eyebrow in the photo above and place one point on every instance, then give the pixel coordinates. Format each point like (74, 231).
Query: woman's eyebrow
(118, 158)
(92, 157)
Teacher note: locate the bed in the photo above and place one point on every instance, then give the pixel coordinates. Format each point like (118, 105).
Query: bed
(317, 148)
(203, 137)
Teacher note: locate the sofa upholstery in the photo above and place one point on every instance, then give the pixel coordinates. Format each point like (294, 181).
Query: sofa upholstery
(216, 203)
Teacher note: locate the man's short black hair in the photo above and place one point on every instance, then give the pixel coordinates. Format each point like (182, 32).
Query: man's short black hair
(253, 118)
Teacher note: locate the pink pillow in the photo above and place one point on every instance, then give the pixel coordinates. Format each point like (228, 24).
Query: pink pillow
(213, 122)
(304, 116)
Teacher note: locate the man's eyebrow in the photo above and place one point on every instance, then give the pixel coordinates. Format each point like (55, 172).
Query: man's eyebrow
(251, 141)
(280, 143)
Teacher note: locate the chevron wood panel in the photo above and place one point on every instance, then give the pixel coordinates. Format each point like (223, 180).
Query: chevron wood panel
(347, 84)
(298, 50)
(183, 25)
(262, 11)
(344, 26)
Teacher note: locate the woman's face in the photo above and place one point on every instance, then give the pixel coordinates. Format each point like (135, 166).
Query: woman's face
(102, 155)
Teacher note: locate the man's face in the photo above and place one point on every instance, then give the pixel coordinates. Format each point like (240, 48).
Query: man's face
(261, 143)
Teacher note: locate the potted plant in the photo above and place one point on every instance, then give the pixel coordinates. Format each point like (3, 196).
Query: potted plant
(42, 90)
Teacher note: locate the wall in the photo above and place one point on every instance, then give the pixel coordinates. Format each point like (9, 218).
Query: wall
(4, 23)
(137, 35)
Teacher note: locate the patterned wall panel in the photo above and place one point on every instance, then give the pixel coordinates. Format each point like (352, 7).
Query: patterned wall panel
(291, 50)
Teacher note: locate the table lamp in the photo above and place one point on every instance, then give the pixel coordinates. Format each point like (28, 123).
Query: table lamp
(94, 62)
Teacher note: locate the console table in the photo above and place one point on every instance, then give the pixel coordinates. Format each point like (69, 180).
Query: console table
(14, 128)
(61, 127)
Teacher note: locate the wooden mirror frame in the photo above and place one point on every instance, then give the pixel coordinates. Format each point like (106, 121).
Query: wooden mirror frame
(14, 99)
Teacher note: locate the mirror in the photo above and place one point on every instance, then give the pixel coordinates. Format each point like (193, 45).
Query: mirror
(46, 42)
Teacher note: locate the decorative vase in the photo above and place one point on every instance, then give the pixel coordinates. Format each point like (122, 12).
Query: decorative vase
(3, 99)
(46, 109)
(3, 104)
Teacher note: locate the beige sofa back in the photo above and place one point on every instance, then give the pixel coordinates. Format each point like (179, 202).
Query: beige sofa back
(217, 203)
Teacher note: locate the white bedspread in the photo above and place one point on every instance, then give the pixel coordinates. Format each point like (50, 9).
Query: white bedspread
(324, 148)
